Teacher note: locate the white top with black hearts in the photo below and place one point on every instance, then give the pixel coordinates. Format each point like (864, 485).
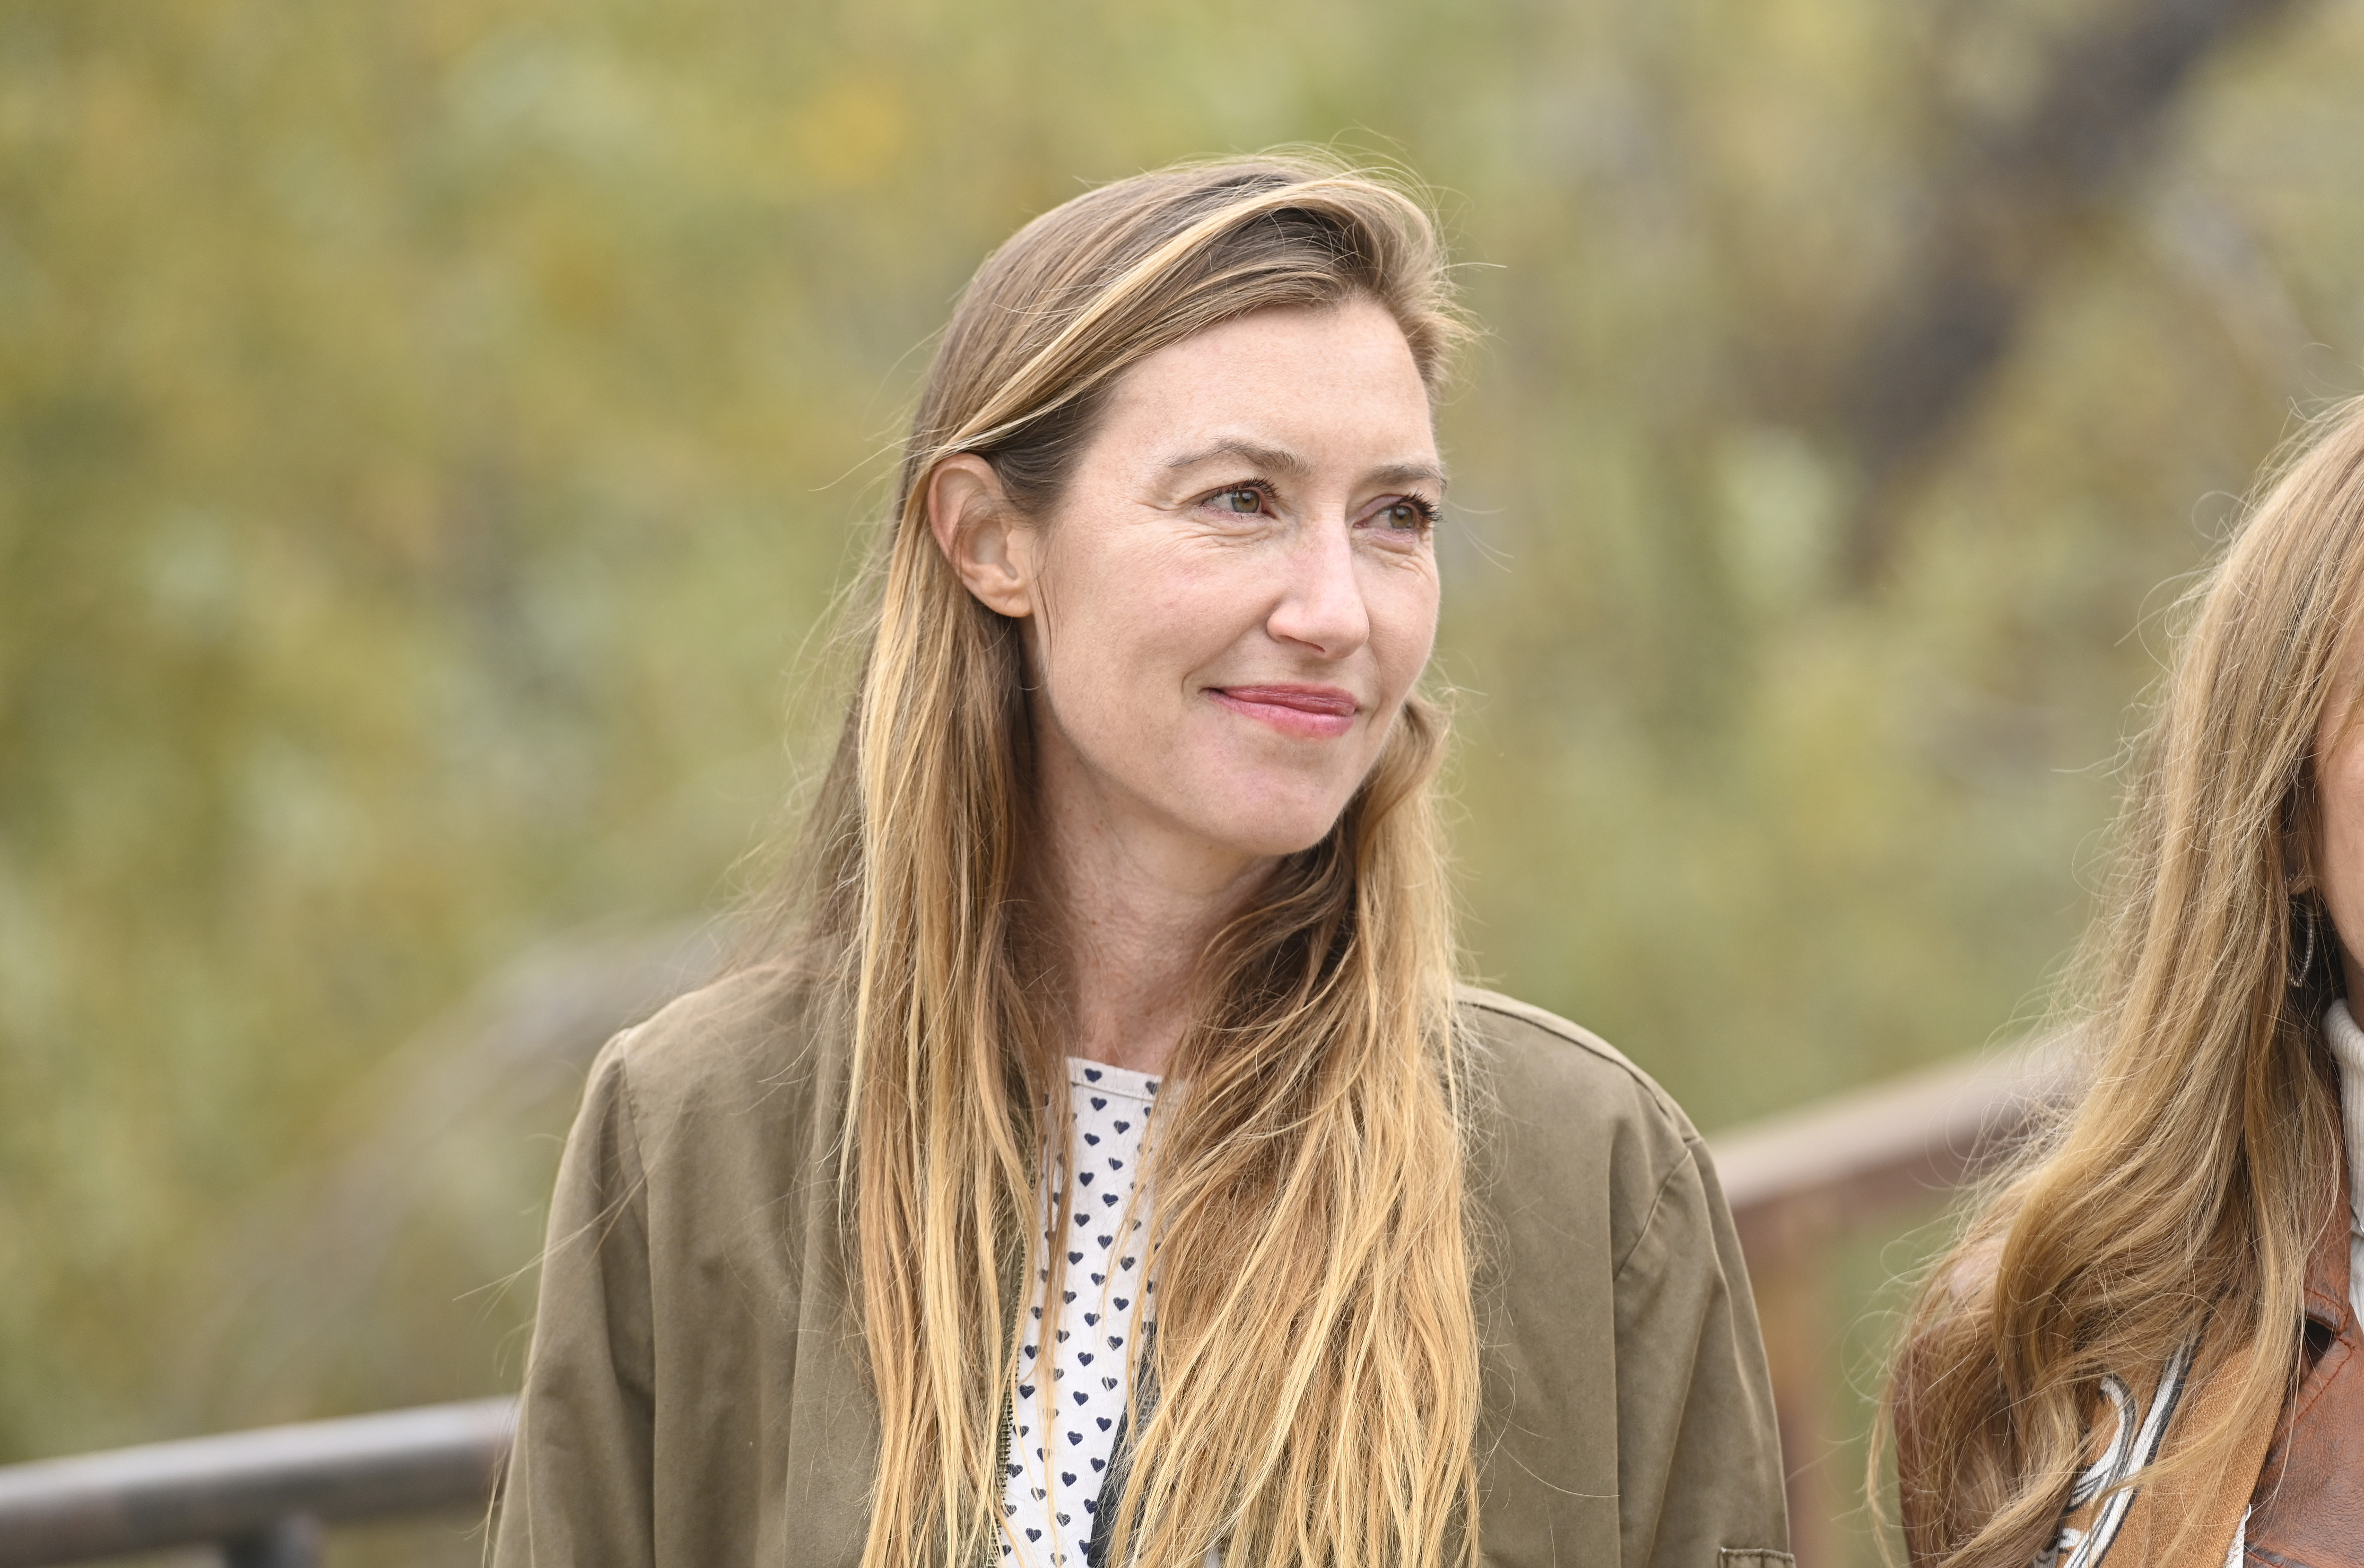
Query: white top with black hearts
(1071, 1390)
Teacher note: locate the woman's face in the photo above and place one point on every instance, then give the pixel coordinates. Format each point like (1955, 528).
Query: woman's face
(1231, 601)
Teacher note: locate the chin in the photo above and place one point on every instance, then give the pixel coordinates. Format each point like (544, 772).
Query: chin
(1276, 832)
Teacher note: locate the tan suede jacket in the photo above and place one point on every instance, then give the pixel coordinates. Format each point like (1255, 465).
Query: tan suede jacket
(696, 1394)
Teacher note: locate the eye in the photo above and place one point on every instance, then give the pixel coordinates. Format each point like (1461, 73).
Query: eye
(1247, 500)
(1408, 513)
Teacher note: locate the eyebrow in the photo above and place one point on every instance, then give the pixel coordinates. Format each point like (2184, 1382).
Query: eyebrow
(1407, 473)
(1280, 460)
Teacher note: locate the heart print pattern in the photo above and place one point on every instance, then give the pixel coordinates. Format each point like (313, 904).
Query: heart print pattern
(1073, 1356)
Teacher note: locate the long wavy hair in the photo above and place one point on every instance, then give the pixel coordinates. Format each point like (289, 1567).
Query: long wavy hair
(1316, 1354)
(2181, 1192)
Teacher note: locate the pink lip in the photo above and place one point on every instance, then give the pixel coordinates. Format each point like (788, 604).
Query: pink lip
(1310, 713)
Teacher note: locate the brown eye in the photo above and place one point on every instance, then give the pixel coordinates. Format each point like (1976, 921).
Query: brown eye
(1245, 499)
(1408, 516)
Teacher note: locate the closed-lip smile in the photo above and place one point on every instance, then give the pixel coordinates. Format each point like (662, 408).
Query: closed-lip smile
(1310, 713)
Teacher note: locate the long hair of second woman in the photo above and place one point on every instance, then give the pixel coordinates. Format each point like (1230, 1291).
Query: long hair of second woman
(1316, 1347)
(2182, 1188)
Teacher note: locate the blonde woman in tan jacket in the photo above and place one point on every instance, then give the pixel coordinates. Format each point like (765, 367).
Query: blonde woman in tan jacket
(1099, 1163)
(2144, 1348)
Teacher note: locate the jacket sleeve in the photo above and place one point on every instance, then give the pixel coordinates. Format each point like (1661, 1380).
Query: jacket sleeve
(578, 1490)
(1700, 1479)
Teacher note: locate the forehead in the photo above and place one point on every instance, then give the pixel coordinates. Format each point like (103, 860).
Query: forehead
(1338, 377)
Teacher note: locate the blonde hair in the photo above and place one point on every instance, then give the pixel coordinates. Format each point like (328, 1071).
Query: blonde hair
(2184, 1189)
(1316, 1359)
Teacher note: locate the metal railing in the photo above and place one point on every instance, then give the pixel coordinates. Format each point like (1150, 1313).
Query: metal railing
(1795, 1183)
(264, 1497)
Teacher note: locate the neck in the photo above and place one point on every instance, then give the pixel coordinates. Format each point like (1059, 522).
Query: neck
(1137, 908)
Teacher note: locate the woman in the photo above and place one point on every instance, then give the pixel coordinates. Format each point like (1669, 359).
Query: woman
(1100, 1164)
(2144, 1350)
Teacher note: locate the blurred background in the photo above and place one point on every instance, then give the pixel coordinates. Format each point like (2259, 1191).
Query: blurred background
(431, 432)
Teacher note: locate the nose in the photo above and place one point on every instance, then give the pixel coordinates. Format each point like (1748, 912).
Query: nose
(1321, 605)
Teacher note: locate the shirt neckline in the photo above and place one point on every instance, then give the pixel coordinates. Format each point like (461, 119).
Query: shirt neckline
(1085, 1076)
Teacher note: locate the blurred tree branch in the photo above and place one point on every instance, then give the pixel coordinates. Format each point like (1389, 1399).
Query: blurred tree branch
(2010, 198)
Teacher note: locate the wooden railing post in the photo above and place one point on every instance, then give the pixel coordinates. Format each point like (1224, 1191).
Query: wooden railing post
(1793, 1307)
(1799, 1181)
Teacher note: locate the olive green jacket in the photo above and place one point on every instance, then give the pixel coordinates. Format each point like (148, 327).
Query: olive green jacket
(696, 1394)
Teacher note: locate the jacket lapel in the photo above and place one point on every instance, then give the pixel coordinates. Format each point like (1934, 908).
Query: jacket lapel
(2309, 1509)
(2294, 1495)
(2189, 1520)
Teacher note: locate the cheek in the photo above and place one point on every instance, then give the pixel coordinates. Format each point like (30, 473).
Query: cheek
(1154, 607)
(1403, 608)
(1124, 630)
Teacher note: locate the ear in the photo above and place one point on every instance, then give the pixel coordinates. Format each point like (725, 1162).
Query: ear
(988, 544)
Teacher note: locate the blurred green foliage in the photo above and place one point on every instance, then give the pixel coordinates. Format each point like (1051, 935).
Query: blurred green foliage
(431, 434)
